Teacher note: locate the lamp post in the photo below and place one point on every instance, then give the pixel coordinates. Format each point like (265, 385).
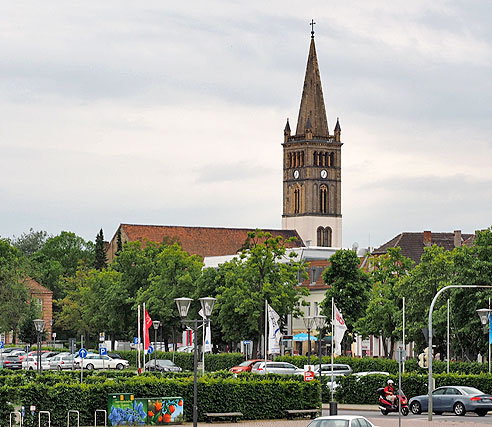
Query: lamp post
(39, 325)
(183, 307)
(484, 314)
(155, 324)
(308, 323)
(320, 322)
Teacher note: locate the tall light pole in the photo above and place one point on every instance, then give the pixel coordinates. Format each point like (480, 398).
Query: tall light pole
(39, 325)
(484, 314)
(308, 323)
(320, 322)
(183, 307)
(155, 324)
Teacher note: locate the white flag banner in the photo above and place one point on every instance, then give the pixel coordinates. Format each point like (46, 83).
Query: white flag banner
(207, 342)
(340, 329)
(274, 333)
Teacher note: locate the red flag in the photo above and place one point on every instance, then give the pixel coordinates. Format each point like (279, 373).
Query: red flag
(148, 324)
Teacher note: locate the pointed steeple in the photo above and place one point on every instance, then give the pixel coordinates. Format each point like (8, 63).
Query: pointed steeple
(312, 104)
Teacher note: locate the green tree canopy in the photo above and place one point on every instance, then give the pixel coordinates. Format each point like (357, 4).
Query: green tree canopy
(101, 260)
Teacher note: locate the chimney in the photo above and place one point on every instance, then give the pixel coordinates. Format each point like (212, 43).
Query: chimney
(457, 238)
(308, 243)
(427, 238)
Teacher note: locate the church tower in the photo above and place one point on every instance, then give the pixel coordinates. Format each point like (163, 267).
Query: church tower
(312, 167)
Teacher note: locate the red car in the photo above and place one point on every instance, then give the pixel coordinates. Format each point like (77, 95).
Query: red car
(245, 366)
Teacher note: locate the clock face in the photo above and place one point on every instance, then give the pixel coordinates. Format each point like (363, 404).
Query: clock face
(296, 174)
(324, 174)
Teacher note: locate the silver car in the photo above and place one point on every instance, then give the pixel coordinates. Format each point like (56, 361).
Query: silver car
(275, 368)
(63, 361)
(457, 399)
(338, 369)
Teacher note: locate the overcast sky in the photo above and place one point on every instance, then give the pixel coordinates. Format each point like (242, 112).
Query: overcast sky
(172, 113)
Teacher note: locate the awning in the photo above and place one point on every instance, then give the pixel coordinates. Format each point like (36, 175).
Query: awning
(303, 337)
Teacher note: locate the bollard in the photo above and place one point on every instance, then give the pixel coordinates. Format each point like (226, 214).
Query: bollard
(39, 417)
(333, 408)
(105, 416)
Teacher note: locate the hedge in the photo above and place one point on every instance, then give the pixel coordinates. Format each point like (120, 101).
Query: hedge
(353, 389)
(257, 397)
(365, 364)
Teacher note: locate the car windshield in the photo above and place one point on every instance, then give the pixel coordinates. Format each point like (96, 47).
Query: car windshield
(470, 390)
(247, 363)
(165, 362)
(329, 423)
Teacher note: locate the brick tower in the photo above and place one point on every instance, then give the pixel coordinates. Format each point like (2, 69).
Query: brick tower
(312, 167)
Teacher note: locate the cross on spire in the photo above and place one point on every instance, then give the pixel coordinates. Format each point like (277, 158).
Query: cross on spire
(312, 23)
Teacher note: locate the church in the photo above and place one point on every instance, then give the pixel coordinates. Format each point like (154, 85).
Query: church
(311, 187)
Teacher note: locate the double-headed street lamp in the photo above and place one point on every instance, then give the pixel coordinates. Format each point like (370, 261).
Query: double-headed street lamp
(155, 324)
(320, 322)
(485, 314)
(39, 325)
(183, 307)
(309, 323)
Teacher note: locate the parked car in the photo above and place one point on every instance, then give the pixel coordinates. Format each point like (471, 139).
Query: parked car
(457, 399)
(162, 365)
(245, 366)
(20, 353)
(185, 349)
(338, 369)
(12, 362)
(341, 421)
(363, 374)
(95, 361)
(31, 363)
(284, 368)
(62, 361)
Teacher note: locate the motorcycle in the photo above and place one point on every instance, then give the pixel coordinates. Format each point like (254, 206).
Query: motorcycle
(386, 406)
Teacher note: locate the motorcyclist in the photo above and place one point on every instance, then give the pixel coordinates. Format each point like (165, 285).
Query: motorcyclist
(390, 392)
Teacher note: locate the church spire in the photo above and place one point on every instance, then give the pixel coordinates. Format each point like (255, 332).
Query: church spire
(312, 104)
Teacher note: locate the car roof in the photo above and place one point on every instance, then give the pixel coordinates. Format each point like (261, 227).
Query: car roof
(339, 417)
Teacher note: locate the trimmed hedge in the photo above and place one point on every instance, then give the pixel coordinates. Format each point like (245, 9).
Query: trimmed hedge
(257, 397)
(365, 364)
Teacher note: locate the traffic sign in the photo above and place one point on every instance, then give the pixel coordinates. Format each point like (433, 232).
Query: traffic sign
(150, 350)
(2, 344)
(103, 351)
(401, 355)
(101, 336)
(246, 342)
(308, 376)
(83, 353)
(135, 340)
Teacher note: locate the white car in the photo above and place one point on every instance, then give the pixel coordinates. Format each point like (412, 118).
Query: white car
(31, 363)
(62, 361)
(95, 361)
(341, 421)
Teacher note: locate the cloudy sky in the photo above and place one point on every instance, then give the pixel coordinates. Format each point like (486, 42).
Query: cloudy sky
(172, 113)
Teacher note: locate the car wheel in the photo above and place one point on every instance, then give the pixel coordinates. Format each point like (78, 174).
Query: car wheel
(404, 411)
(59, 368)
(416, 408)
(119, 366)
(31, 368)
(481, 412)
(90, 366)
(459, 409)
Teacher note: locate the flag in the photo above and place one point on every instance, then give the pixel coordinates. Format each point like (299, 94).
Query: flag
(340, 329)
(490, 329)
(207, 342)
(274, 333)
(147, 324)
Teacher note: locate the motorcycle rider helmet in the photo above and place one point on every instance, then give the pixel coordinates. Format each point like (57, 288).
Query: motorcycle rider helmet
(390, 382)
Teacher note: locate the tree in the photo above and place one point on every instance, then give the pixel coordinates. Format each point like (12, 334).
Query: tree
(119, 243)
(262, 271)
(349, 286)
(383, 316)
(101, 260)
(13, 293)
(27, 330)
(29, 243)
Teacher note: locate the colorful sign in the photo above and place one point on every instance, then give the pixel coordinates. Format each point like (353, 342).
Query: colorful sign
(126, 410)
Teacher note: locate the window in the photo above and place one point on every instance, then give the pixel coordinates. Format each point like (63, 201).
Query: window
(297, 200)
(324, 236)
(332, 160)
(323, 193)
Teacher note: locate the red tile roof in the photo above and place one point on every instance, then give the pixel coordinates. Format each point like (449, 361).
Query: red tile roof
(203, 241)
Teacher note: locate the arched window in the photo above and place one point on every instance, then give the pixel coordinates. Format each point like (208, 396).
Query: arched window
(325, 159)
(332, 160)
(323, 202)
(302, 158)
(320, 236)
(315, 158)
(297, 200)
(324, 236)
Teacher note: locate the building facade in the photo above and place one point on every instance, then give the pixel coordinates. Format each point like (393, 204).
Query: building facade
(312, 167)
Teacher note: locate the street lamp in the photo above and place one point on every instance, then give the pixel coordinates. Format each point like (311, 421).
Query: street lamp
(320, 322)
(155, 324)
(39, 325)
(308, 323)
(183, 307)
(484, 314)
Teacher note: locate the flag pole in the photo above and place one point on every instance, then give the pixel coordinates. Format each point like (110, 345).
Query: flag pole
(266, 334)
(143, 332)
(138, 335)
(332, 338)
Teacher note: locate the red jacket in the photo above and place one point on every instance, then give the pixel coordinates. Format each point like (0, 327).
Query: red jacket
(388, 390)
